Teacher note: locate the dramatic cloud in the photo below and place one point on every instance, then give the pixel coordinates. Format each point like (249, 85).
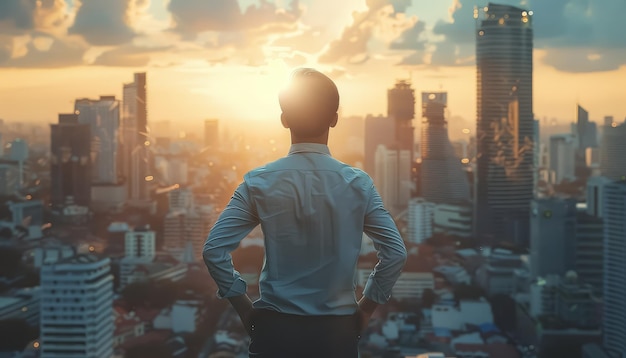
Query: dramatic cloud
(192, 17)
(47, 52)
(21, 16)
(353, 45)
(576, 34)
(106, 23)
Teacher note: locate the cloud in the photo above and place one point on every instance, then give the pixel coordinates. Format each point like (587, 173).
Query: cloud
(18, 12)
(577, 35)
(54, 53)
(192, 17)
(106, 23)
(128, 56)
(585, 60)
(353, 45)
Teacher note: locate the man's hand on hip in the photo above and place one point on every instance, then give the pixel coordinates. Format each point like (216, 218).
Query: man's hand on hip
(365, 311)
(243, 305)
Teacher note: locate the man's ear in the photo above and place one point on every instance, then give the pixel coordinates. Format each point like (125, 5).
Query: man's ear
(333, 122)
(283, 120)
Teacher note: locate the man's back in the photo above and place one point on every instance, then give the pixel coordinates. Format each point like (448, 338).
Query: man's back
(311, 208)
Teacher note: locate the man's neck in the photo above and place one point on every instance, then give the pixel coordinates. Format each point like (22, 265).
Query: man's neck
(322, 139)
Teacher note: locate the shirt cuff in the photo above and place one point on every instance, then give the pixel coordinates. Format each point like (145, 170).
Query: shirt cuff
(374, 292)
(238, 288)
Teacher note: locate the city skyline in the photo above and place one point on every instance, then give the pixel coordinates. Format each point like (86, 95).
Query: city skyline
(198, 67)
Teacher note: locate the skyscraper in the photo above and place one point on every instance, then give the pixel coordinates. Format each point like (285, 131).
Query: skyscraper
(504, 65)
(552, 237)
(103, 117)
(442, 177)
(77, 308)
(401, 109)
(563, 157)
(70, 161)
(614, 320)
(136, 139)
(612, 163)
(587, 133)
(379, 130)
(393, 177)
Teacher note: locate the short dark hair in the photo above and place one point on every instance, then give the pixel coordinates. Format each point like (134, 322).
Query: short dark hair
(310, 102)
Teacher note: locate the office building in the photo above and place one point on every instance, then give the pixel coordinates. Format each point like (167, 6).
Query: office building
(504, 164)
(187, 225)
(553, 230)
(498, 274)
(453, 219)
(136, 140)
(379, 130)
(27, 213)
(420, 220)
(393, 177)
(589, 261)
(140, 243)
(70, 162)
(563, 149)
(9, 177)
(612, 163)
(211, 134)
(180, 199)
(443, 179)
(401, 109)
(19, 153)
(77, 308)
(586, 131)
(103, 117)
(614, 317)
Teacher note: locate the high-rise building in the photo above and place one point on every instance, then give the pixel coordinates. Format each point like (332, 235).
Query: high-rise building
(379, 130)
(393, 177)
(211, 133)
(420, 220)
(136, 140)
(563, 157)
(595, 193)
(586, 131)
(612, 163)
(19, 153)
(401, 109)
(589, 258)
(103, 117)
(140, 243)
(504, 178)
(453, 219)
(9, 177)
(70, 161)
(77, 308)
(181, 227)
(442, 177)
(614, 318)
(552, 236)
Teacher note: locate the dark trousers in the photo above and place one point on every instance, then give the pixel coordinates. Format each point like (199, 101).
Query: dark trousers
(279, 335)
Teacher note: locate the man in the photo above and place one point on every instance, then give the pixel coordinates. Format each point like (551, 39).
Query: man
(313, 211)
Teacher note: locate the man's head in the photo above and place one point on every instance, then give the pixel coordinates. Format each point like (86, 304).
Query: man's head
(309, 103)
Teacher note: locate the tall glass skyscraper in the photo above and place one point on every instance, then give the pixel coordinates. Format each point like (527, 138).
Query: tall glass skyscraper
(504, 177)
(614, 320)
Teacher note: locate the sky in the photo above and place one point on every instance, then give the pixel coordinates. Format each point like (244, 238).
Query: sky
(227, 59)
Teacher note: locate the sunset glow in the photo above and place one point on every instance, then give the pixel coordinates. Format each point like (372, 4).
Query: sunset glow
(208, 59)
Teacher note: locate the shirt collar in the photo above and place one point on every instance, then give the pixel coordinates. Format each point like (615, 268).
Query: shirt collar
(309, 148)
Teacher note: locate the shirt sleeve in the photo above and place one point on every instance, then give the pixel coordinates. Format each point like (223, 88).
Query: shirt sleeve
(391, 252)
(236, 221)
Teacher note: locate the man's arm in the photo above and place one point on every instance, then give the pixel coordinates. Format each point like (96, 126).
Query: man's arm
(391, 252)
(236, 221)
